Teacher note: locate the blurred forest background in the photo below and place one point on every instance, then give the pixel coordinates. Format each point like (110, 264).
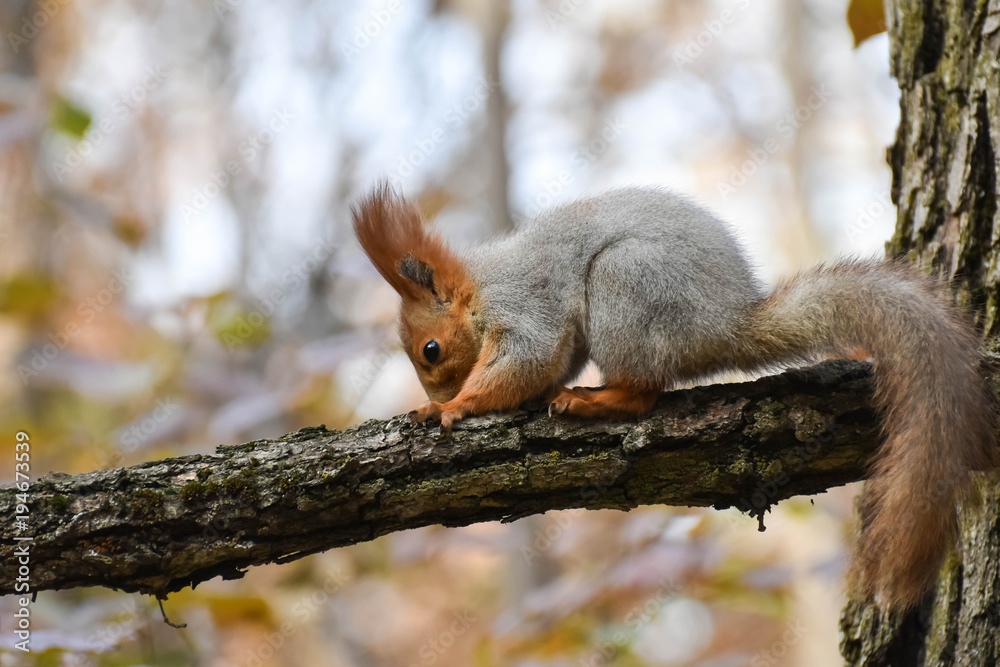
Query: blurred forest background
(177, 271)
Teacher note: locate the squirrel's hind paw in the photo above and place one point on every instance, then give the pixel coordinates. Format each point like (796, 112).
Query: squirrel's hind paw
(561, 401)
(604, 402)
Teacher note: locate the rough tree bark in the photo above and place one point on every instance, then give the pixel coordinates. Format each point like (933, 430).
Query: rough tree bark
(164, 525)
(945, 166)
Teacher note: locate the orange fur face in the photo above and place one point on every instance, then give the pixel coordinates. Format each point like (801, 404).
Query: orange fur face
(434, 321)
(420, 326)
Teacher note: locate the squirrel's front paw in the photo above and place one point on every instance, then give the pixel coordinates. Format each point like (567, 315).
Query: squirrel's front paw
(436, 412)
(429, 410)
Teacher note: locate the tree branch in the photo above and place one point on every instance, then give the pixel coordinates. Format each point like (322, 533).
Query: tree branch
(160, 526)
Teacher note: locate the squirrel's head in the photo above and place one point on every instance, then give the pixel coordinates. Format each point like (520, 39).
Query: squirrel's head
(434, 318)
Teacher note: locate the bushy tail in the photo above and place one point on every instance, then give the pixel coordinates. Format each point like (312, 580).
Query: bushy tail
(938, 414)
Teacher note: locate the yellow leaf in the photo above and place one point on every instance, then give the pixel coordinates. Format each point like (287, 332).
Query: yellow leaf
(68, 118)
(242, 329)
(131, 229)
(27, 294)
(865, 18)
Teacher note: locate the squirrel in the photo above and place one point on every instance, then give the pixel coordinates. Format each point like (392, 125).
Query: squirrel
(656, 290)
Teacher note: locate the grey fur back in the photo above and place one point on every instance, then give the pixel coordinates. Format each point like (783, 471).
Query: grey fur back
(647, 279)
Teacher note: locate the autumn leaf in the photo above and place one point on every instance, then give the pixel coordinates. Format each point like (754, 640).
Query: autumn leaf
(866, 18)
(69, 118)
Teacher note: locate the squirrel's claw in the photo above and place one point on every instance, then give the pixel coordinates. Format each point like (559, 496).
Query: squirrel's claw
(429, 410)
(560, 403)
(432, 411)
(447, 419)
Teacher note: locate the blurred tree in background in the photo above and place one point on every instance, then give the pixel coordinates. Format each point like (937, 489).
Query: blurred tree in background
(177, 271)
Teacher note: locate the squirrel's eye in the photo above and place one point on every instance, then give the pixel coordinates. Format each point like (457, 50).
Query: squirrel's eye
(432, 351)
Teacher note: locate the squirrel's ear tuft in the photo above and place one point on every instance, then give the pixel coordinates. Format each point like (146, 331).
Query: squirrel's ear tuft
(417, 272)
(415, 261)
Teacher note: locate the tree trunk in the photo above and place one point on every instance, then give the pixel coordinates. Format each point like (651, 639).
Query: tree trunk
(946, 57)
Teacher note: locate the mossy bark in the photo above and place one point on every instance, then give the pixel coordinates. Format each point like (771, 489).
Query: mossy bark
(945, 167)
(164, 525)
